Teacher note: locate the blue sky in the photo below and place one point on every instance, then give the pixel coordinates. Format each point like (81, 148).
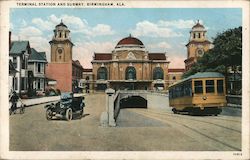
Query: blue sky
(100, 29)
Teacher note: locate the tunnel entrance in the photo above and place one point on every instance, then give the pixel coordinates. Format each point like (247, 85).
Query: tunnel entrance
(133, 102)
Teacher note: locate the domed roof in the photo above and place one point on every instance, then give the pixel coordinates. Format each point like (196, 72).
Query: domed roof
(61, 24)
(198, 25)
(130, 41)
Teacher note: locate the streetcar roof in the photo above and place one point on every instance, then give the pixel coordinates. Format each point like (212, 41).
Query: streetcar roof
(201, 75)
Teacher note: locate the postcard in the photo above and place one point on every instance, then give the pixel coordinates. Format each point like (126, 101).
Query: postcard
(124, 79)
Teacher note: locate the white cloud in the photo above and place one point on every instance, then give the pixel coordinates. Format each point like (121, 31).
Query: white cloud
(84, 51)
(176, 61)
(160, 45)
(43, 24)
(23, 23)
(29, 31)
(75, 25)
(102, 29)
(40, 44)
(146, 28)
(177, 23)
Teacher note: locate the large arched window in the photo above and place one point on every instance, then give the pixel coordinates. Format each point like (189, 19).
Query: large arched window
(130, 73)
(158, 73)
(102, 73)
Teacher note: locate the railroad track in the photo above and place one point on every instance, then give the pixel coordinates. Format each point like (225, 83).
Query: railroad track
(221, 138)
(204, 119)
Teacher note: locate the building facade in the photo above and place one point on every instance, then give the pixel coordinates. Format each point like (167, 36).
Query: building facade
(175, 75)
(87, 81)
(198, 44)
(19, 54)
(130, 66)
(36, 65)
(62, 68)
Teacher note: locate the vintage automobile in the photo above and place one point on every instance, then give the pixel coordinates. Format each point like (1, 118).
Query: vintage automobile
(68, 105)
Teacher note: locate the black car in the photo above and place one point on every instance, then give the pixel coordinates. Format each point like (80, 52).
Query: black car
(66, 107)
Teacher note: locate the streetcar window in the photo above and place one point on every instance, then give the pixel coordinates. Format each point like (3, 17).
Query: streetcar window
(187, 89)
(170, 93)
(220, 88)
(198, 87)
(209, 86)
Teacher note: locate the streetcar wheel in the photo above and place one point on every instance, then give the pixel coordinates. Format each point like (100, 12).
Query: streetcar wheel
(69, 114)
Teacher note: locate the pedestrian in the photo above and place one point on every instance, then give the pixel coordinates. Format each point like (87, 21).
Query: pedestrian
(14, 98)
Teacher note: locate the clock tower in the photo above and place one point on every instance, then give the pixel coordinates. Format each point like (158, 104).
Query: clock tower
(198, 44)
(61, 45)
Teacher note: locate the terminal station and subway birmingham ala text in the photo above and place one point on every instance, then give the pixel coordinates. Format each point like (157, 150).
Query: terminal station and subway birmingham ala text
(69, 4)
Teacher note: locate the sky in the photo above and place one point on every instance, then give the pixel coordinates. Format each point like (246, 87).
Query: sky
(100, 29)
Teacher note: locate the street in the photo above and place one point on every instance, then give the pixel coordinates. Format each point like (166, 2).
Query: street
(137, 130)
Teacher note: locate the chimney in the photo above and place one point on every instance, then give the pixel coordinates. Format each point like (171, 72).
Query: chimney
(9, 40)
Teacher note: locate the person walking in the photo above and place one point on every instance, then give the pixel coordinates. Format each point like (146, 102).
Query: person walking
(14, 98)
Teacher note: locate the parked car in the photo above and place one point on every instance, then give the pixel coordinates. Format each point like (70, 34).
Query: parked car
(66, 107)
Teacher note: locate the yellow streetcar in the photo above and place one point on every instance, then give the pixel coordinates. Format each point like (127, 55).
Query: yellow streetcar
(201, 93)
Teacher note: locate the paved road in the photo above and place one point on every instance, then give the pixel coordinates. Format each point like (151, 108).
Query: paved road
(137, 130)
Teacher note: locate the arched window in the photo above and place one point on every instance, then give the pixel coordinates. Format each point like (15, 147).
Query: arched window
(102, 73)
(130, 73)
(158, 73)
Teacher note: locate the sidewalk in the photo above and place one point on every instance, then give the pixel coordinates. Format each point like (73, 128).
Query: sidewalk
(35, 101)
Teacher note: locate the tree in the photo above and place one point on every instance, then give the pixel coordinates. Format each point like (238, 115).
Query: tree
(226, 53)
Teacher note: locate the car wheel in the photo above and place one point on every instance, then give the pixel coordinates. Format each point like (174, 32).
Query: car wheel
(81, 113)
(48, 114)
(69, 114)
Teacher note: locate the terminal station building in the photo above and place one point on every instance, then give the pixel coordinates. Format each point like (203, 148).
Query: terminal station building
(130, 66)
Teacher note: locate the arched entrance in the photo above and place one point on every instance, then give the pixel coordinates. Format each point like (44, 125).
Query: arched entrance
(133, 102)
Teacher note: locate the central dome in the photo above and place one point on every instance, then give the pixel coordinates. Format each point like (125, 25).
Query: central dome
(130, 41)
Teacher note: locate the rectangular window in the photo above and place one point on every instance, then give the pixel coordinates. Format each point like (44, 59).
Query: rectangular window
(209, 86)
(22, 83)
(42, 84)
(14, 83)
(198, 87)
(187, 89)
(39, 67)
(199, 35)
(38, 84)
(15, 62)
(220, 88)
(42, 67)
(23, 63)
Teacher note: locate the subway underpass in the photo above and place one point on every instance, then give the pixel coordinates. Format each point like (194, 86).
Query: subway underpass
(128, 118)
